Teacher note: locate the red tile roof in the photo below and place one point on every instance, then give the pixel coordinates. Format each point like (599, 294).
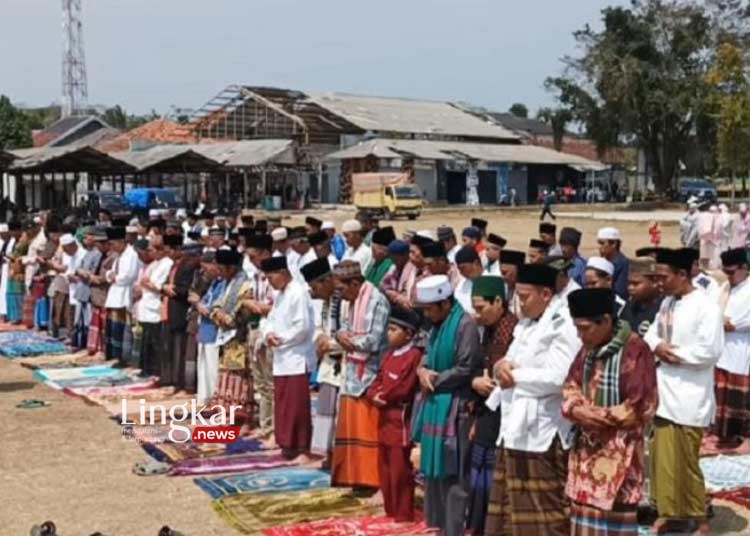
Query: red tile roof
(161, 131)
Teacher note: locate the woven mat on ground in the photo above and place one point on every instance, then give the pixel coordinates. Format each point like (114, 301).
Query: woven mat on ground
(175, 452)
(29, 343)
(4, 326)
(167, 401)
(146, 388)
(252, 512)
(726, 473)
(98, 375)
(738, 496)
(356, 526)
(237, 463)
(76, 359)
(271, 481)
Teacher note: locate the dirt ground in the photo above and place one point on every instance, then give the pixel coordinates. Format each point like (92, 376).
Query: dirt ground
(69, 463)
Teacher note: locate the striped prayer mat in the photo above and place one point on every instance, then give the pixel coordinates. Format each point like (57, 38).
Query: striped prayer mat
(357, 526)
(176, 452)
(251, 512)
(96, 376)
(725, 473)
(271, 481)
(238, 463)
(26, 343)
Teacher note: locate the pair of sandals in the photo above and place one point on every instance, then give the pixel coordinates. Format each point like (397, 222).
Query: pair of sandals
(32, 403)
(151, 468)
(48, 528)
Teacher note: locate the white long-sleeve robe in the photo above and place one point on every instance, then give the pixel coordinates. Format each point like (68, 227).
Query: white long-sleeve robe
(735, 357)
(123, 276)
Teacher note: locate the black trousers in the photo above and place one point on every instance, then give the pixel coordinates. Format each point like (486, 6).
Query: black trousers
(545, 211)
(151, 348)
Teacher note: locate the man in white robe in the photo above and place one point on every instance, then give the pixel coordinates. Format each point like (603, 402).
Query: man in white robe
(356, 249)
(122, 278)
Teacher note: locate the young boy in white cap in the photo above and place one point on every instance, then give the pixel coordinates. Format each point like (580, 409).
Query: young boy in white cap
(600, 274)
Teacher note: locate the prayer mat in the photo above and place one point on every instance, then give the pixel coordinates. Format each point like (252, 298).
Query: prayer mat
(726, 473)
(175, 452)
(78, 377)
(237, 463)
(357, 526)
(590, 521)
(738, 496)
(77, 359)
(271, 481)
(252, 512)
(26, 343)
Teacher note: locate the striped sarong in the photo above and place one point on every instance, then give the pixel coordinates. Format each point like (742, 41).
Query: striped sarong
(528, 493)
(482, 465)
(622, 520)
(355, 451)
(732, 404)
(677, 484)
(324, 421)
(116, 323)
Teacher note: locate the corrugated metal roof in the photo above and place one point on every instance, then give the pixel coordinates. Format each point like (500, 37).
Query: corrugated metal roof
(439, 150)
(67, 159)
(248, 153)
(174, 157)
(383, 114)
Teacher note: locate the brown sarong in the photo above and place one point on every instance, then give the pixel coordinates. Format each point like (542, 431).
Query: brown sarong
(528, 493)
(732, 404)
(292, 416)
(622, 520)
(355, 451)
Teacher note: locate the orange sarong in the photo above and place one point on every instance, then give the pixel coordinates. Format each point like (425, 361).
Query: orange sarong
(355, 451)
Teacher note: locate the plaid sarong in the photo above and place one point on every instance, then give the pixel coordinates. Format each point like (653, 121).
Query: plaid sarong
(528, 493)
(95, 342)
(590, 521)
(116, 323)
(732, 404)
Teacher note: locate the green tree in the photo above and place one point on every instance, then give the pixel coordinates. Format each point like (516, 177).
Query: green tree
(558, 119)
(15, 131)
(116, 117)
(731, 98)
(642, 79)
(519, 110)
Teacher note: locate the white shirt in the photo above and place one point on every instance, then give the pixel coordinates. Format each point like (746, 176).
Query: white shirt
(292, 320)
(122, 276)
(248, 267)
(542, 352)
(452, 254)
(463, 294)
(708, 285)
(363, 255)
(305, 259)
(735, 357)
(148, 308)
(332, 260)
(493, 269)
(570, 287)
(686, 390)
(72, 263)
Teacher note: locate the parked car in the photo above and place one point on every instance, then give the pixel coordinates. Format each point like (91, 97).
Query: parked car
(93, 202)
(702, 189)
(154, 200)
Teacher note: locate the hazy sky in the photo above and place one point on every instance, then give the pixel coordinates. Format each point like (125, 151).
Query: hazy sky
(148, 54)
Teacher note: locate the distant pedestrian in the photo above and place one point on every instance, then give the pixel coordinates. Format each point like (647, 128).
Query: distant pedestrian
(547, 199)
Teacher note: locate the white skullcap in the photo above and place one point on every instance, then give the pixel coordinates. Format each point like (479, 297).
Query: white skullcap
(67, 239)
(426, 233)
(181, 213)
(4, 228)
(279, 234)
(327, 225)
(37, 220)
(608, 233)
(154, 212)
(742, 207)
(131, 229)
(351, 226)
(601, 264)
(434, 289)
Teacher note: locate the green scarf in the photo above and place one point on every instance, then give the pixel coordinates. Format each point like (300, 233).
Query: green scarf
(377, 272)
(608, 391)
(432, 427)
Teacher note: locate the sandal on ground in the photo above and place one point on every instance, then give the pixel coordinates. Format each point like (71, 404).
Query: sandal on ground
(45, 529)
(151, 468)
(166, 531)
(32, 404)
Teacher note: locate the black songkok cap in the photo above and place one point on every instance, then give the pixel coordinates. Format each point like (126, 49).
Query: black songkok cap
(228, 257)
(682, 259)
(259, 241)
(538, 244)
(479, 224)
(509, 256)
(734, 257)
(316, 269)
(383, 236)
(315, 222)
(570, 237)
(591, 302)
(466, 254)
(115, 233)
(538, 274)
(433, 250)
(547, 228)
(405, 318)
(497, 240)
(318, 238)
(273, 264)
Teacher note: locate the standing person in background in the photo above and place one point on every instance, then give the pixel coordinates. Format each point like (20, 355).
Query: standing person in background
(644, 297)
(208, 351)
(357, 250)
(148, 311)
(492, 314)
(710, 237)
(687, 338)
(82, 293)
(97, 340)
(610, 394)
(510, 262)
(726, 228)
(548, 198)
(121, 279)
(382, 263)
(610, 243)
(363, 338)
(442, 426)
(8, 243)
(470, 268)
(480, 224)
(689, 236)
(32, 262)
(732, 422)
(548, 235)
(570, 241)
(288, 333)
(393, 393)
(742, 228)
(537, 251)
(471, 237)
(16, 283)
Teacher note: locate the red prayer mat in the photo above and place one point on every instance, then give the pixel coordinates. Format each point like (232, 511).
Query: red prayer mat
(739, 496)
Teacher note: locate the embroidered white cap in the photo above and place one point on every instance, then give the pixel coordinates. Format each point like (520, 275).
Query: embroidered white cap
(4, 228)
(426, 233)
(608, 233)
(351, 226)
(279, 234)
(434, 289)
(601, 264)
(327, 225)
(67, 239)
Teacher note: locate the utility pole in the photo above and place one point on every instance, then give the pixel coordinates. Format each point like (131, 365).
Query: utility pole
(74, 83)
